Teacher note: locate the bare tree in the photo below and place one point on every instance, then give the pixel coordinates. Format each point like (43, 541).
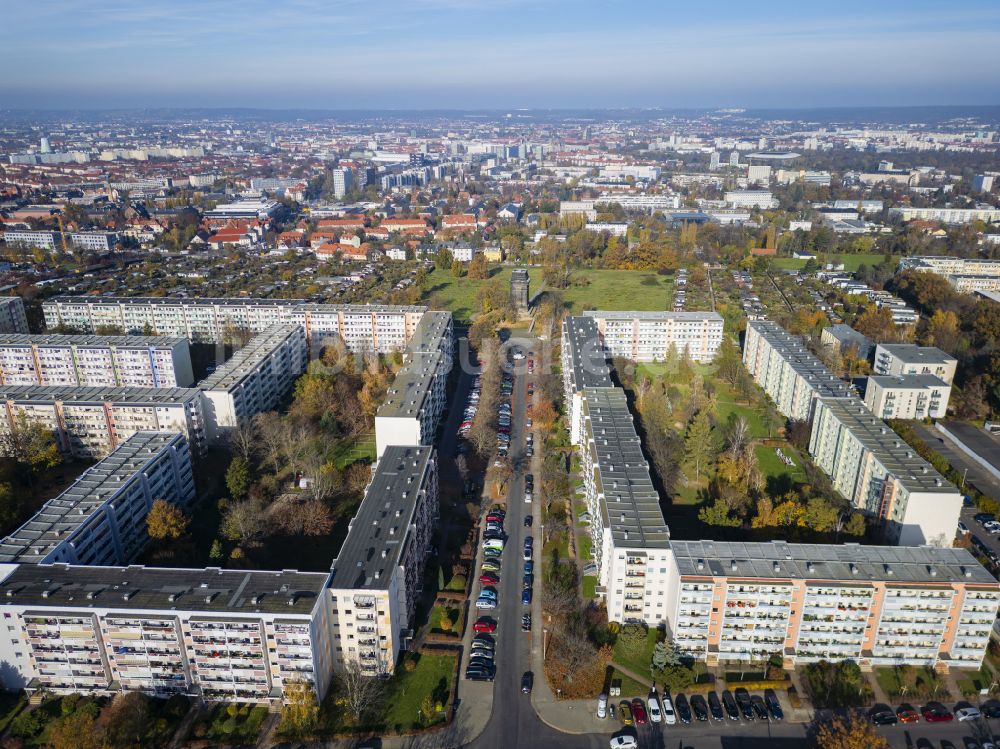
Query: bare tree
(244, 522)
(272, 432)
(244, 440)
(362, 694)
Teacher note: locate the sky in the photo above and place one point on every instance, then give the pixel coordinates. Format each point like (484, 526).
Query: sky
(495, 54)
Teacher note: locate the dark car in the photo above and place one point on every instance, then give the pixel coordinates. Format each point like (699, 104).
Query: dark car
(746, 706)
(526, 623)
(526, 596)
(991, 709)
(527, 521)
(639, 712)
(732, 709)
(681, 706)
(527, 681)
(773, 706)
(699, 707)
(715, 706)
(759, 708)
(883, 718)
(527, 581)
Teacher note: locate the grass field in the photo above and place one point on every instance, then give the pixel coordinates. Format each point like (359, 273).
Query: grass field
(406, 690)
(588, 289)
(351, 451)
(851, 262)
(771, 466)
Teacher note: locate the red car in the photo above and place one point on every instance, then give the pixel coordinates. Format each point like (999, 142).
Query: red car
(488, 578)
(494, 518)
(485, 624)
(639, 712)
(937, 713)
(906, 714)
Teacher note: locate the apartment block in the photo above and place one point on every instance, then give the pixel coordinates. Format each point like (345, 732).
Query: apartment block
(842, 338)
(762, 199)
(101, 518)
(12, 317)
(648, 336)
(228, 635)
(584, 364)
(91, 422)
(880, 606)
(910, 359)
(255, 379)
(631, 541)
(95, 361)
(378, 572)
(359, 328)
(882, 476)
(987, 213)
(916, 396)
(788, 371)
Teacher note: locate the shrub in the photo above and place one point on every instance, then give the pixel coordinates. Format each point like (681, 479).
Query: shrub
(27, 724)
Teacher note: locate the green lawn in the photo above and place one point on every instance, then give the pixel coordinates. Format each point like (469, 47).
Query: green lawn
(635, 657)
(589, 583)
(630, 688)
(406, 691)
(851, 262)
(771, 465)
(588, 289)
(971, 682)
(583, 544)
(352, 450)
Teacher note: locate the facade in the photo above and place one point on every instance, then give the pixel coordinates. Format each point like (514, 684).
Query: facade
(631, 541)
(378, 572)
(907, 396)
(584, 365)
(229, 635)
(986, 213)
(787, 371)
(101, 518)
(91, 422)
(359, 328)
(255, 379)
(879, 606)
(97, 241)
(648, 336)
(762, 199)
(908, 358)
(95, 361)
(882, 476)
(12, 317)
(842, 337)
(946, 265)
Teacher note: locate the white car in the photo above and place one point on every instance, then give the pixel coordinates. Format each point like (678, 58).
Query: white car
(624, 742)
(669, 716)
(653, 708)
(527, 497)
(485, 603)
(967, 713)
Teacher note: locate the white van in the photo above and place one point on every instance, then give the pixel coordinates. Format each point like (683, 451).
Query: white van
(493, 543)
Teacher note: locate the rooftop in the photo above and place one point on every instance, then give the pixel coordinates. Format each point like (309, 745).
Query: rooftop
(90, 341)
(210, 591)
(380, 530)
(631, 506)
(234, 301)
(666, 315)
(405, 397)
(803, 362)
(908, 382)
(427, 336)
(60, 517)
(911, 353)
(778, 560)
(246, 361)
(588, 362)
(95, 395)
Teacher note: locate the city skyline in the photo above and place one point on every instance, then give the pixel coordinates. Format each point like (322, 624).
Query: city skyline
(460, 54)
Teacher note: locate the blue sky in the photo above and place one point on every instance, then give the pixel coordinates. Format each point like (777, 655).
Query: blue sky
(349, 54)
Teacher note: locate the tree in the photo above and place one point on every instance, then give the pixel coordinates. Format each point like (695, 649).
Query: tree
(942, 331)
(360, 694)
(216, 551)
(125, 720)
(243, 440)
(244, 522)
(850, 732)
(238, 478)
(75, 731)
(166, 521)
(300, 713)
(458, 269)
(309, 518)
(855, 525)
(698, 442)
(717, 514)
(479, 268)
(31, 444)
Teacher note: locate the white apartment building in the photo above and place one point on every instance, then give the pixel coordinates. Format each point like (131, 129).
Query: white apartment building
(46, 240)
(648, 336)
(91, 422)
(95, 361)
(254, 380)
(584, 365)
(359, 328)
(947, 265)
(762, 199)
(631, 541)
(758, 174)
(882, 476)
(787, 371)
(97, 241)
(986, 213)
(12, 317)
(584, 208)
(612, 228)
(221, 635)
(648, 203)
(378, 572)
(414, 402)
(101, 518)
(970, 284)
(909, 359)
(879, 606)
(907, 396)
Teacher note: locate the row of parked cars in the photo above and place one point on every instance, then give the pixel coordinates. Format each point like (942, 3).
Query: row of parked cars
(933, 712)
(471, 408)
(733, 705)
(482, 656)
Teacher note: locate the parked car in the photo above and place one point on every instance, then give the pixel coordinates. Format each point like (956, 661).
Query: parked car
(527, 681)
(759, 708)
(489, 578)
(625, 712)
(602, 706)
(743, 700)
(669, 716)
(907, 714)
(773, 706)
(625, 741)
(732, 709)
(653, 703)
(683, 711)
(491, 565)
(715, 707)
(639, 712)
(699, 707)
(883, 718)
(485, 624)
(965, 714)
(526, 596)
(528, 521)
(935, 712)
(529, 567)
(486, 603)
(526, 623)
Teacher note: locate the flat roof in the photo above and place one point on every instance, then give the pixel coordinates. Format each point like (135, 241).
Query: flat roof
(430, 332)
(664, 315)
(843, 332)
(406, 394)
(96, 395)
(803, 362)
(246, 361)
(778, 560)
(908, 382)
(61, 517)
(631, 505)
(90, 341)
(210, 591)
(896, 456)
(911, 353)
(234, 301)
(588, 361)
(379, 530)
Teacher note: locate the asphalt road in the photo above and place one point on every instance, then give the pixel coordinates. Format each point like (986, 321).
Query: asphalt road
(976, 474)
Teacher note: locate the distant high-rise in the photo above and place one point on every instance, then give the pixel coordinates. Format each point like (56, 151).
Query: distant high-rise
(343, 181)
(713, 161)
(982, 183)
(46, 147)
(519, 290)
(734, 158)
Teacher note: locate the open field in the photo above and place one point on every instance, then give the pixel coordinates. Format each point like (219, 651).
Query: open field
(851, 262)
